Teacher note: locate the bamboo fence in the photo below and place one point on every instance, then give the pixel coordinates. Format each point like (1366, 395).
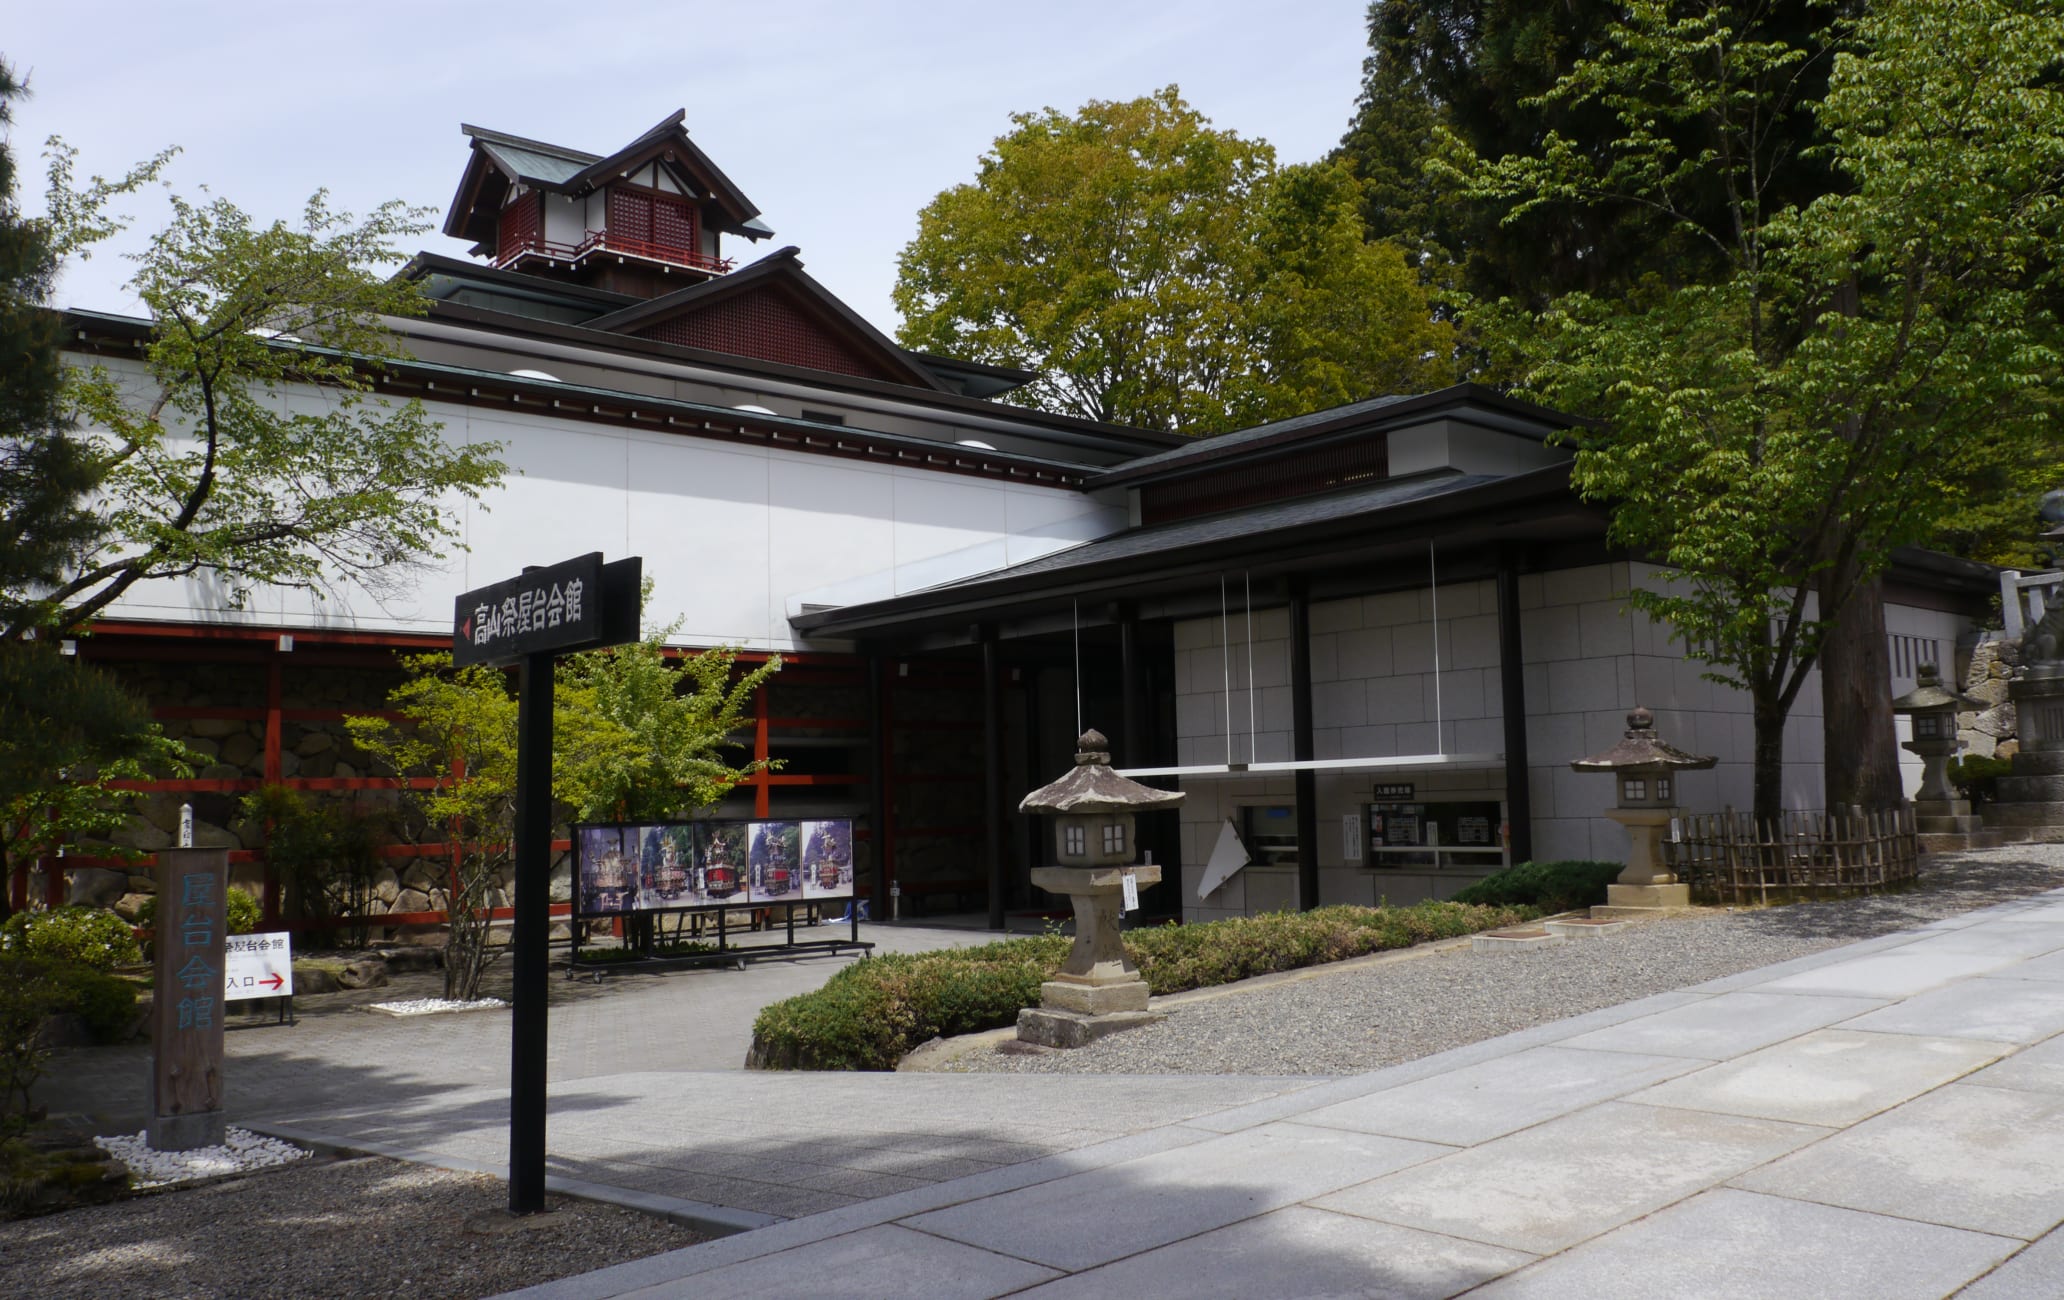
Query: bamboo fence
(1729, 857)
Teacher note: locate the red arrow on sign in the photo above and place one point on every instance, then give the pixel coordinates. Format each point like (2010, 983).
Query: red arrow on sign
(275, 981)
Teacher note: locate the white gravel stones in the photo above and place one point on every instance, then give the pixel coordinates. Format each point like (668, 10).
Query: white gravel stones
(435, 1006)
(240, 1152)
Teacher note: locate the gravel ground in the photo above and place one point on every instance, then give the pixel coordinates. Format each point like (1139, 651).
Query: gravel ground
(322, 1230)
(1348, 1021)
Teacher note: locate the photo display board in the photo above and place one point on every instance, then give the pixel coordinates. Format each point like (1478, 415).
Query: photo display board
(666, 866)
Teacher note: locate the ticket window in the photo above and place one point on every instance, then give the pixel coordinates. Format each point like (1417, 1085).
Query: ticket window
(1270, 833)
(1468, 834)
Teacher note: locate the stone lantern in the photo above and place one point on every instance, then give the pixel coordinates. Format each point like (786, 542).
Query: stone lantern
(1098, 990)
(1646, 770)
(1933, 710)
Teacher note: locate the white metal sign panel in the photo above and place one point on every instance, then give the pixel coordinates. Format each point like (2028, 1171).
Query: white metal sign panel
(258, 966)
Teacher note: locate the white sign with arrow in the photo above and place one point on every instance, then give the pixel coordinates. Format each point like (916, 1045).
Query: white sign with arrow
(258, 966)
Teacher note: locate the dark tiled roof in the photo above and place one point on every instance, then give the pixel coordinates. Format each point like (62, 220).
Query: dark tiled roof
(1477, 403)
(1222, 443)
(1144, 543)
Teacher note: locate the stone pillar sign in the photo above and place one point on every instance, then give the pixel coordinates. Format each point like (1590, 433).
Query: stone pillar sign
(1098, 990)
(186, 1011)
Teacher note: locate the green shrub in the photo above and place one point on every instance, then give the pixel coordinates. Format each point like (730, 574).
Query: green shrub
(870, 1015)
(105, 1003)
(1550, 886)
(1978, 776)
(240, 909)
(84, 936)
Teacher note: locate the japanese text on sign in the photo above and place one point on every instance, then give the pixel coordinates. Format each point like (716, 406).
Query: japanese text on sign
(200, 912)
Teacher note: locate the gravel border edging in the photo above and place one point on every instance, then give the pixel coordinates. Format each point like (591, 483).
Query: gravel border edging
(936, 1056)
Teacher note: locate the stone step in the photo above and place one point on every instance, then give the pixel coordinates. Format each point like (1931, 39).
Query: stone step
(1573, 927)
(2039, 762)
(1517, 937)
(1960, 825)
(1608, 912)
(1958, 841)
(2007, 816)
(2031, 788)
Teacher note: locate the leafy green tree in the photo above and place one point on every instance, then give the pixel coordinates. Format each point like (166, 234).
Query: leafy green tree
(636, 735)
(248, 445)
(1480, 71)
(1860, 360)
(457, 725)
(1140, 261)
(654, 729)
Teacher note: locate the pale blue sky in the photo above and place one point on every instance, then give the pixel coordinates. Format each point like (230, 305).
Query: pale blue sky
(840, 120)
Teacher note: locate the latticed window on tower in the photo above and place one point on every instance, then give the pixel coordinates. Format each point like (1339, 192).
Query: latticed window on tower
(1074, 840)
(646, 222)
(1114, 838)
(520, 226)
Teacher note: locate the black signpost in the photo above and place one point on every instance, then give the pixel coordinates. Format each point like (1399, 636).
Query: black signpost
(578, 604)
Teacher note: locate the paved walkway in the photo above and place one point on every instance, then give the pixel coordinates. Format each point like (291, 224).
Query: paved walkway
(1882, 1120)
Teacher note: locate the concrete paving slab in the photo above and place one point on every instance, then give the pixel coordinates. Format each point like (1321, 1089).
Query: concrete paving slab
(2032, 1069)
(1812, 961)
(2013, 937)
(2037, 1271)
(1295, 1254)
(1979, 1158)
(1897, 974)
(882, 1261)
(1097, 1217)
(2001, 1010)
(2047, 969)
(1558, 1183)
(1831, 1077)
(1733, 1245)
(1726, 1025)
(1479, 1102)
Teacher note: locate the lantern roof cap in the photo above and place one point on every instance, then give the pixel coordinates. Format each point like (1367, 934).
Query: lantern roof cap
(1640, 752)
(1930, 693)
(1091, 786)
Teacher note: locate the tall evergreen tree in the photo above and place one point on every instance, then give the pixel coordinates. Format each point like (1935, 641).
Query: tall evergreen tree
(65, 727)
(45, 473)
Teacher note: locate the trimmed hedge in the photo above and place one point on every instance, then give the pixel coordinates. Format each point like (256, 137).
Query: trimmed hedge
(871, 1014)
(1551, 886)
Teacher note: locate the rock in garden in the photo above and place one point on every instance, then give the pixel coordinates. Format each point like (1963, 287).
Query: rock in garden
(97, 887)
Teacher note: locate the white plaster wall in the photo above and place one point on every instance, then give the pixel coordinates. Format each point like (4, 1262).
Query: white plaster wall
(1931, 636)
(1589, 659)
(565, 219)
(729, 533)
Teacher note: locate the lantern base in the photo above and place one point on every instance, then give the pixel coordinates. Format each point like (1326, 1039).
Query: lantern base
(1093, 999)
(1647, 897)
(1051, 1028)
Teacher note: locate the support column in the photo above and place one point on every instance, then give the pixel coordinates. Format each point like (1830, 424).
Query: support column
(275, 773)
(878, 742)
(531, 933)
(1132, 733)
(1302, 749)
(992, 777)
(1519, 802)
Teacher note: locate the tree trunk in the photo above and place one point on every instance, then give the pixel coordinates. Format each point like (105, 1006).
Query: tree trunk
(1769, 779)
(1862, 746)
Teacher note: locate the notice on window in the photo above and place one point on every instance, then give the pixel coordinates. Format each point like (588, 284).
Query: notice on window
(1472, 830)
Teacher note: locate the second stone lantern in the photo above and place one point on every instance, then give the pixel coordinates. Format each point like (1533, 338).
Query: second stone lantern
(1098, 990)
(1646, 770)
